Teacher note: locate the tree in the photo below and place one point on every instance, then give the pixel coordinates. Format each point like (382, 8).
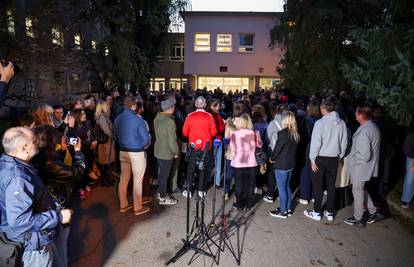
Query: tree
(317, 41)
(385, 69)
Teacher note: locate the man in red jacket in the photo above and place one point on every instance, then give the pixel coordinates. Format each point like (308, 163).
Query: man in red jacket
(200, 128)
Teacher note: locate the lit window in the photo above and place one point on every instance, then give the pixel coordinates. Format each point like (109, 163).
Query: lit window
(223, 42)
(77, 41)
(94, 46)
(202, 42)
(246, 42)
(177, 52)
(10, 23)
(57, 37)
(106, 52)
(29, 27)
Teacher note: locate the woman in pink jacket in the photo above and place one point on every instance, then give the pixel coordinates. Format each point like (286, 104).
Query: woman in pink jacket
(243, 143)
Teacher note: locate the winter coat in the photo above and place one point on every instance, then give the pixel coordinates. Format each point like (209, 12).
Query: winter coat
(106, 152)
(166, 146)
(28, 212)
(284, 154)
(58, 177)
(131, 132)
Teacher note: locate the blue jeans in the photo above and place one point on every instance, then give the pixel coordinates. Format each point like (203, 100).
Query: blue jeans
(229, 176)
(218, 152)
(408, 188)
(42, 258)
(283, 185)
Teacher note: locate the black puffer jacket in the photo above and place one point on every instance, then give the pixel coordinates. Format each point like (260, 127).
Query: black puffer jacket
(59, 177)
(284, 153)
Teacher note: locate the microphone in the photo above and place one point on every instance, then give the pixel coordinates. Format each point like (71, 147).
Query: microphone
(216, 143)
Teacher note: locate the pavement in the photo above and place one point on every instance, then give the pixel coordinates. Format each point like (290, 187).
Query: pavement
(102, 236)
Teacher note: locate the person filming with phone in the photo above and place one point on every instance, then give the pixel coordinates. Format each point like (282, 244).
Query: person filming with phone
(29, 214)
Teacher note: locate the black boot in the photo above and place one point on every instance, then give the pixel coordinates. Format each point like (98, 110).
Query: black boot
(105, 181)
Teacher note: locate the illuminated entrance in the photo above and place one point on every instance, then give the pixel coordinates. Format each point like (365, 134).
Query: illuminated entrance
(226, 84)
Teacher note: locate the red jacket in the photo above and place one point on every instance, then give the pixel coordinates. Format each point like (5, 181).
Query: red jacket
(199, 127)
(219, 125)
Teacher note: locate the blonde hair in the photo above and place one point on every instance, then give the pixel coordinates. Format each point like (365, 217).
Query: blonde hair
(289, 122)
(102, 107)
(42, 114)
(245, 122)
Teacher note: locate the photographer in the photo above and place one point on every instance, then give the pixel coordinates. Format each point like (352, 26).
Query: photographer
(58, 177)
(28, 213)
(6, 74)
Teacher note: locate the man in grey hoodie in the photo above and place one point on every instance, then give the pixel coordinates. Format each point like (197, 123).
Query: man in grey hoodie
(328, 145)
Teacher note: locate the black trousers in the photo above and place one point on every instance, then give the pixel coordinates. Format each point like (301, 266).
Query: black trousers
(245, 182)
(326, 174)
(164, 170)
(271, 181)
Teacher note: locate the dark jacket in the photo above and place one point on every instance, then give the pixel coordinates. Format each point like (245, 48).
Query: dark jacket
(284, 153)
(3, 92)
(409, 146)
(58, 177)
(131, 132)
(30, 214)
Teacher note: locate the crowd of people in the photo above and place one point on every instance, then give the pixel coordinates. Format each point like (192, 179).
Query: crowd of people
(261, 143)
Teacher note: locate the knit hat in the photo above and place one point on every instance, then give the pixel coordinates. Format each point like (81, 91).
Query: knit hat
(167, 104)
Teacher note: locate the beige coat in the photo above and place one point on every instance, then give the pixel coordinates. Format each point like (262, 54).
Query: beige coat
(106, 152)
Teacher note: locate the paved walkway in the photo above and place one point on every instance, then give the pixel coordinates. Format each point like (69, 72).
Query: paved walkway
(101, 236)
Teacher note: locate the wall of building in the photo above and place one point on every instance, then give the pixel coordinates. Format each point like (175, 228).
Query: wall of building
(263, 62)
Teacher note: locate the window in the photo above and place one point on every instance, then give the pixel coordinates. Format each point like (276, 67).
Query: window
(223, 42)
(57, 37)
(202, 42)
(29, 27)
(94, 46)
(246, 42)
(10, 23)
(177, 52)
(77, 41)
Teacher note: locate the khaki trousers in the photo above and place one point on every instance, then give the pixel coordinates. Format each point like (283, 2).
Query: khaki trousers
(135, 162)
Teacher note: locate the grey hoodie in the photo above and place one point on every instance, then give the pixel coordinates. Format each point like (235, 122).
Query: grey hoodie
(274, 127)
(329, 137)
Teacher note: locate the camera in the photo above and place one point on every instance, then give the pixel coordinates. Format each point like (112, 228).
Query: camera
(73, 141)
(5, 62)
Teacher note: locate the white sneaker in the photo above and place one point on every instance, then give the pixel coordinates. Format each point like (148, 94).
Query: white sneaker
(226, 196)
(268, 199)
(329, 216)
(325, 193)
(167, 201)
(312, 214)
(202, 194)
(258, 191)
(185, 192)
(303, 201)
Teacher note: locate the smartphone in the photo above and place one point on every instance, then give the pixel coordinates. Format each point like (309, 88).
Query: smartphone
(73, 141)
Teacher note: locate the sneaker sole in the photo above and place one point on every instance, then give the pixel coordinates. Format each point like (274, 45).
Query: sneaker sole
(311, 217)
(141, 212)
(125, 209)
(167, 204)
(278, 216)
(268, 201)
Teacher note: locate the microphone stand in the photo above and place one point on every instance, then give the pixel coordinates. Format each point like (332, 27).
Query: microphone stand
(198, 237)
(222, 227)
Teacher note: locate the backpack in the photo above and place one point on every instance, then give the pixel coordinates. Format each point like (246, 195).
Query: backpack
(10, 252)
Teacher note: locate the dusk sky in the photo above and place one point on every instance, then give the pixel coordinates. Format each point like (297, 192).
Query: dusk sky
(237, 5)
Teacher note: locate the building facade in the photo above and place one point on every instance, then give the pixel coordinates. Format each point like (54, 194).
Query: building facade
(230, 50)
(168, 71)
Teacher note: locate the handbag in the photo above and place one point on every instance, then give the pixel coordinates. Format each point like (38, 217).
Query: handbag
(100, 135)
(10, 252)
(261, 156)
